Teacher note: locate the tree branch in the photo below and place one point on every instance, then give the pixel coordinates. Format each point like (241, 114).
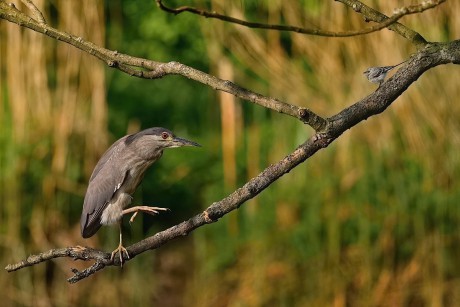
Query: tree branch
(432, 55)
(373, 15)
(35, 11)
(384, 21)
(147, 69)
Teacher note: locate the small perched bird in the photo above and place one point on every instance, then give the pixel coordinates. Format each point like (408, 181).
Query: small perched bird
(116, 177)
(378, 74)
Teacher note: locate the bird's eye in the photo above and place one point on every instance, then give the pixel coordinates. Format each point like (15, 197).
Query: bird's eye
(164, 135)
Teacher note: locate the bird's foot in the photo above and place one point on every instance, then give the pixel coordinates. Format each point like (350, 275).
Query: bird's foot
(146, 209)
(120, 250)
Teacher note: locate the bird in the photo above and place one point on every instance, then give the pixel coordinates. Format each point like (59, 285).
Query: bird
(116, 176)
(378, 74)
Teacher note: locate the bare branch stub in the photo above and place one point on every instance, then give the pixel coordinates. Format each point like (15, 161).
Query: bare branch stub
(79, 275)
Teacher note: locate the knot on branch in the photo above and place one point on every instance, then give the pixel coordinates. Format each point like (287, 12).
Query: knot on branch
(207, 217)
(112, 63)
(356, 7)
(252, 188)
(303, 114)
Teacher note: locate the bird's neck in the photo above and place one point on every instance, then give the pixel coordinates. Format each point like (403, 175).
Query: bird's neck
(150, 155)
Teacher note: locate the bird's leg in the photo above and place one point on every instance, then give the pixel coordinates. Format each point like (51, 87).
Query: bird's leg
(120, 249)
(146, 209)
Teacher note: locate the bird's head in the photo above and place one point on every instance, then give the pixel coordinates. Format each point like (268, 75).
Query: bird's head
(367, 72)
(157, 138)
(168, 140)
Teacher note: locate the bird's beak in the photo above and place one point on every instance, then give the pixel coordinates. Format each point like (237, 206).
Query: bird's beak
(183, 142)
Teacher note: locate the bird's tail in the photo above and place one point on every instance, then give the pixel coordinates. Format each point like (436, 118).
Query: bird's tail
(400, 63)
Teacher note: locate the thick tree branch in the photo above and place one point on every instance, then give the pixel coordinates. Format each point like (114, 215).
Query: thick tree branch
(147, 69)
(432, 55)
(384, 21)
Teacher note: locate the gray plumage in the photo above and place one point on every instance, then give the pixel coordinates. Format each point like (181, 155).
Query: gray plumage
(118, 173)
(378, 74)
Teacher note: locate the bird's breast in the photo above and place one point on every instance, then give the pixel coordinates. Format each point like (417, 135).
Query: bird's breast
(134, 175)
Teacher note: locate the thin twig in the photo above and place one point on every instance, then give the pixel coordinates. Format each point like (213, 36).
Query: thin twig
(35, 11)
(383, 23)
(79, 275)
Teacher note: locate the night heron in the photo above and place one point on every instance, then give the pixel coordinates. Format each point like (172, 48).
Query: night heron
(116, 177)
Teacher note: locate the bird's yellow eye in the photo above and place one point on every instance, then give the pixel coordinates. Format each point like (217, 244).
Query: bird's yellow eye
(164, 135)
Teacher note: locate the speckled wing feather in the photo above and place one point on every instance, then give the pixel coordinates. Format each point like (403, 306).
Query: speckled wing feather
(109, 178)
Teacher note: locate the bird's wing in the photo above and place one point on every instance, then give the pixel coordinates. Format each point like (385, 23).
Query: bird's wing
(104, 182)
(109, 154)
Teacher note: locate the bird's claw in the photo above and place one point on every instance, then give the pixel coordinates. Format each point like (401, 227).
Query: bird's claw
(120, 250)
